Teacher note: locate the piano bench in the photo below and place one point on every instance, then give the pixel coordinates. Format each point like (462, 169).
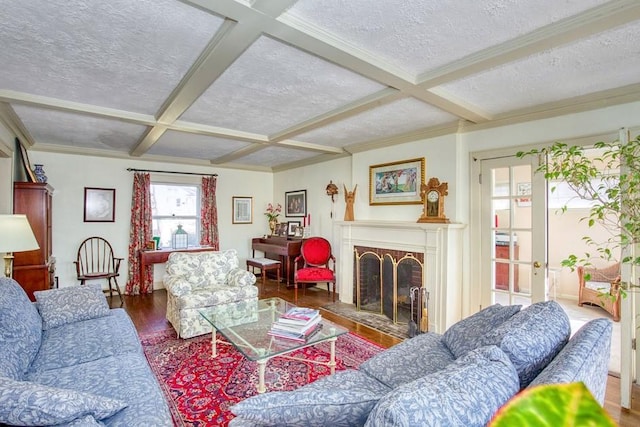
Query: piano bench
(265, 264)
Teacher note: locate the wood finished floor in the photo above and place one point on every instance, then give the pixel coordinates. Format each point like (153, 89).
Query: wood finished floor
(148, 315)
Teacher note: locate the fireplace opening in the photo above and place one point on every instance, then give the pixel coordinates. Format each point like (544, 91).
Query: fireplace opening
(383, 279)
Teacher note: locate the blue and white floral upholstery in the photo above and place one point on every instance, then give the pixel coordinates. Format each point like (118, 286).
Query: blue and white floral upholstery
(466, 393)
(84, 371)
(467, 334)
(20, 330)
(343, 399)
(196, 280)
(532, 338)
(411, 359)
(428, 385)
(66, 305)
(585, 358)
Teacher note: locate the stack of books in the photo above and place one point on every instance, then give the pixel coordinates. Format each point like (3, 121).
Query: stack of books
(298, 324)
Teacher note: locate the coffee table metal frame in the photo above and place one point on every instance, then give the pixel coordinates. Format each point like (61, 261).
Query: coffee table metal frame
(249, 335)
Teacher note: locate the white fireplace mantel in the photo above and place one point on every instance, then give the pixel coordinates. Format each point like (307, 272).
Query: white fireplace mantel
(441, 245)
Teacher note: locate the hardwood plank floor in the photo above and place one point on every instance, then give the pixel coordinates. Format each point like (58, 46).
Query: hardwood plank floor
(148, 315)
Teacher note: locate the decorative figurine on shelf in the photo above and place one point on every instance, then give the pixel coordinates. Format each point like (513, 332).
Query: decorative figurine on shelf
(331, 190)
(349, 198)
(432, 195)
(273, 212)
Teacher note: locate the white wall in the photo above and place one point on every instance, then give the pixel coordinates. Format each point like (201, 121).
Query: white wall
(315, 179)
(69, 174)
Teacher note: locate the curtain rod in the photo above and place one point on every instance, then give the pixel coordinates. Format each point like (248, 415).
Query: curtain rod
(179, 173)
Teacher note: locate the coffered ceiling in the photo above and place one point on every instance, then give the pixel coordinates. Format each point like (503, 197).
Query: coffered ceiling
(275, 84)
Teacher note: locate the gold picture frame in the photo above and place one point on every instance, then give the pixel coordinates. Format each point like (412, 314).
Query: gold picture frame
(396, 183)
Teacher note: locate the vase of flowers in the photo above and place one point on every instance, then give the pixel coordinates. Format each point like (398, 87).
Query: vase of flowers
(273, 212)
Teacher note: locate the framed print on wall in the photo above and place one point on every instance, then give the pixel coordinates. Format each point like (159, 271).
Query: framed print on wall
(242, 210)
(295, 203)
(396, 183)
(99, 204)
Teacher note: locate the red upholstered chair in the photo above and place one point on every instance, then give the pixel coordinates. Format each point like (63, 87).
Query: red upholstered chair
(318, 265)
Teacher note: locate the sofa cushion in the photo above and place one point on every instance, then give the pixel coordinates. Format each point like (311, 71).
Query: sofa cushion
(465, 393)
(87, 340)
(585, 358)
(467, 334)
(532, 338)
(126, 376)
(30, 404)
(408, 360)
(343, 399)
(202, 269)
(65, 305)
(20, 330)
(202, 298)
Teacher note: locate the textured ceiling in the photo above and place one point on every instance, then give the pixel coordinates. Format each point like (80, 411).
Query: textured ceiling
(275, 84)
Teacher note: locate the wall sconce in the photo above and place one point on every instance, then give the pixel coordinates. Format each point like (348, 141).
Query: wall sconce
(16, 235)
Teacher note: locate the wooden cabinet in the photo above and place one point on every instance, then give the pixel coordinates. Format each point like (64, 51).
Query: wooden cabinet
(502, 267)
(35, 270)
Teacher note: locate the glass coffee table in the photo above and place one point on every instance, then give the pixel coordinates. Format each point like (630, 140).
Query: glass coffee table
(245, 325)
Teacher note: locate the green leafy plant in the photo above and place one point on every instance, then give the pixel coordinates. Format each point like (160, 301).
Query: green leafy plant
(610, 181)
(552, 405)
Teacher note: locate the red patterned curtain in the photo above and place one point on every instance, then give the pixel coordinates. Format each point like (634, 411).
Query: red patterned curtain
(209, 214)
(140, 233)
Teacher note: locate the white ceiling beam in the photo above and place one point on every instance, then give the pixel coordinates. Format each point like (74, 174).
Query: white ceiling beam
(587, 23)
(218, 132)
(312, 39)
(75, 107)
(238, 154)
(15, 125)
(358, 106)
(308, 146)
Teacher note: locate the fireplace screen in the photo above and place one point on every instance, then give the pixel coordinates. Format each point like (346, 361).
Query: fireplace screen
(383, 279)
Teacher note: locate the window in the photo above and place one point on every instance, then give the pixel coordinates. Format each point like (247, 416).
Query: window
(173, 205)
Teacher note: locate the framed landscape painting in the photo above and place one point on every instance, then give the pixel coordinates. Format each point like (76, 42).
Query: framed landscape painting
(396, 183)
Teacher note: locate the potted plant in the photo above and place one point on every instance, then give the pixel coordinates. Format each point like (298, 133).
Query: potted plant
(272, 213)
(611, 182)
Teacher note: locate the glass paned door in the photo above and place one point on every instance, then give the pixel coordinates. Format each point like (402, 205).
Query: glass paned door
(514, 254)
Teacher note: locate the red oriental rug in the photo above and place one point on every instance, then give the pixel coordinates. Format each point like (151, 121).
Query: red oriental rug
(200, 390)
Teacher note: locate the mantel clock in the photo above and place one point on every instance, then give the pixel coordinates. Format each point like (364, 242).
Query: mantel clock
(432, 195)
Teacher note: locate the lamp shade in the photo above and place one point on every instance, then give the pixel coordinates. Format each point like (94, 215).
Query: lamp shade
(16, 234)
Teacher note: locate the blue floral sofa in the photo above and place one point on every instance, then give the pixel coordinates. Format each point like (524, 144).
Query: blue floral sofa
(199, 280)
(459, 378)
(70, 360)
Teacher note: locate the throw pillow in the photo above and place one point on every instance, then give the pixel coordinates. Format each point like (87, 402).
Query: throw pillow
(343, 399)
(417, 357)
(61, 306)
(466, 393)
(31, 404)
(20, 329)
(467, 334)
(532, 338)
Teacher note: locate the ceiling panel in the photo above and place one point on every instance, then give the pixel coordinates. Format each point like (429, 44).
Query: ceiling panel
(121, 54)
(418, 36)
(204, 147)
(397, 117)
(274, 156)
(273, 86)
(584, 67)
(79, 130)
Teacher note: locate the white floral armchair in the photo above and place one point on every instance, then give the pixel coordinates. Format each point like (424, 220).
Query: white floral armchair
(198, 280)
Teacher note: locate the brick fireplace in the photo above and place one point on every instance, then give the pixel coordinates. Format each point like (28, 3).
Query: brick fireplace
(439, 244)
(382, 280)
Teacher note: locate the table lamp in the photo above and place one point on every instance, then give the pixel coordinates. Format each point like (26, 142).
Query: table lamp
(15, 236)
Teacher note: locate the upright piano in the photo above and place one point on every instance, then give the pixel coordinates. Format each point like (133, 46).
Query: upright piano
(279, 248)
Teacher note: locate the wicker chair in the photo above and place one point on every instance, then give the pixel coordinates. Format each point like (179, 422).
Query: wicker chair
(602, 288)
